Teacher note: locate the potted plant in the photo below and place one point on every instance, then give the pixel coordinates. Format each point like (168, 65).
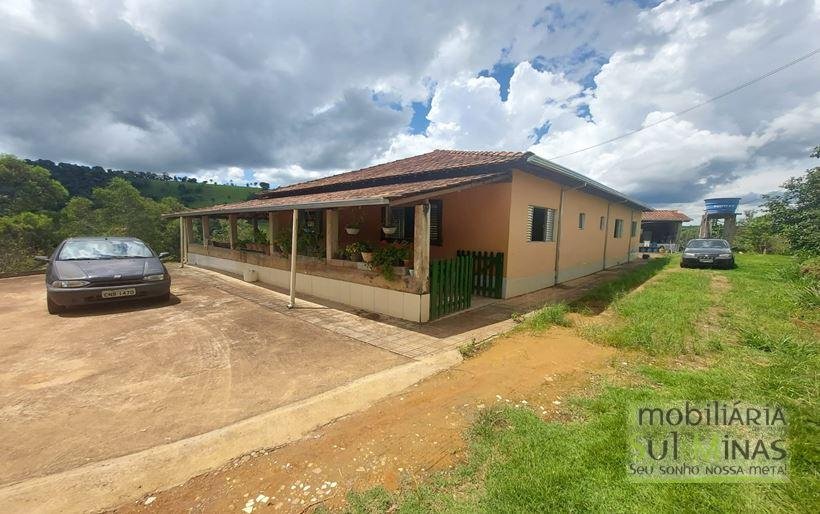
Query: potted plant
(404, 252)
(366, 251)
(353, 228)
(387, 256)
(354, 251)
(388, 230)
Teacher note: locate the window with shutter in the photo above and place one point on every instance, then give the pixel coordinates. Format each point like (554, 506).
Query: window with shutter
(404, 219)
(540, 224)
(436, 211)
(633, 230)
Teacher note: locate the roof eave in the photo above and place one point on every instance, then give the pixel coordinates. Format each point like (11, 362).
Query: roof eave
(287, 207)
(557, 168)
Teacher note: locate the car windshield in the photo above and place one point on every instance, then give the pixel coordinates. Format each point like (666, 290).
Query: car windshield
(708, 243)
(103, 249)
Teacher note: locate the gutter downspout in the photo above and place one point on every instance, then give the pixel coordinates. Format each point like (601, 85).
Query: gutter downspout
(293, 240)
(560, 221)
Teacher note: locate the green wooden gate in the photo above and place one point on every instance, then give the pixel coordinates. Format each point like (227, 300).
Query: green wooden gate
(488, 272)
(451, 285)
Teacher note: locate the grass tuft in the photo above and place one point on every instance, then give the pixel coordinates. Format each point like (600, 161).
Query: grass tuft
(546, 317)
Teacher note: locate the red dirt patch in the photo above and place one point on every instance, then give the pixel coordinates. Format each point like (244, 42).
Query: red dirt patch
(400, 439)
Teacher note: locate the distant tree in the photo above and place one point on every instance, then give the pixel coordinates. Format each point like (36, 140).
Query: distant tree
(795, 213)
(24, 187)
(77, 218)
(264, 185)
(757, 234)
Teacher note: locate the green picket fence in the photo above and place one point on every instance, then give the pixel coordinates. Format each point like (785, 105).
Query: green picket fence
(488, 272)
(451, 285)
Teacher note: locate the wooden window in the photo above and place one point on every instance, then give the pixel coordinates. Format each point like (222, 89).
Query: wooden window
(540, 224)
(602, 223)
(436, 214)
(619, 228)
(633, 230)
(404, 219)
(582, 220)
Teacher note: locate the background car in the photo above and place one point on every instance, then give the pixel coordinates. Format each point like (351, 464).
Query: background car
(93, 270)
(708, 253)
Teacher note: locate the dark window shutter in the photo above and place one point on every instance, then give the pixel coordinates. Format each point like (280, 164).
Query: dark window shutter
(436, 211)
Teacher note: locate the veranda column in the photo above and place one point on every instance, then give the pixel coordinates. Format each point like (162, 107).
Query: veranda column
(272, 229)
(189, 233)
(181, 242)
(206, 230)
(293, 240)
(232, 231)
(421, 247)
(331, 233)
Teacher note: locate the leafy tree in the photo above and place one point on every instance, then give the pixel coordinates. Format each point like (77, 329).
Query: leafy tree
(24, 235)
(264, 185)
(795, 213)
(77, 218)
(756, 233)
(27, 188)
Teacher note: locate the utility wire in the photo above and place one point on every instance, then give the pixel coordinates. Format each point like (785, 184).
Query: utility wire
(696, 106)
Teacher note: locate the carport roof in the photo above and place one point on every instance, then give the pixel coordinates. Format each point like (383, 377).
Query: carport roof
(665, 215)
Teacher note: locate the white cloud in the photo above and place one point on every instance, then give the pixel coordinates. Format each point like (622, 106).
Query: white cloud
(286, 90)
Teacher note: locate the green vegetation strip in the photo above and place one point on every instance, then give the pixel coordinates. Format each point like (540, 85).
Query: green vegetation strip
(519, 463)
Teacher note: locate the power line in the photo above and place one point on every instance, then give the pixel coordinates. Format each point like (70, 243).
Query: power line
(696, 106)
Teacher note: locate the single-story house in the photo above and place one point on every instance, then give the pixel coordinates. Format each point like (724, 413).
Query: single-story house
(660, 229)
(452, 224)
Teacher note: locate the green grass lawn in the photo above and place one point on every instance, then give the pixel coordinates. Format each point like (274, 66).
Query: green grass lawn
(754, 339)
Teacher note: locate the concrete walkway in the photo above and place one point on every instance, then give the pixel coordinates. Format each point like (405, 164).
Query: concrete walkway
(406, 338)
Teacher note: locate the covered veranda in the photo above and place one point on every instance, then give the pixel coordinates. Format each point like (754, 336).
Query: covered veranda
(313, 244)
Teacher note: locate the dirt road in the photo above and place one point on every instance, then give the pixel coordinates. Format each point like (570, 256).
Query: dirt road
(401, 438)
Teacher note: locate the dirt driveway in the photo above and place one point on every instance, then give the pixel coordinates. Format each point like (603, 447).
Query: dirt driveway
(95, 384)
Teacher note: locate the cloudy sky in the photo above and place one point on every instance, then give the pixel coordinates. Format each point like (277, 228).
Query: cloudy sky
(285, 91)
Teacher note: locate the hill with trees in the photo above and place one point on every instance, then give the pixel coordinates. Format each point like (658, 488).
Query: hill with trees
(81, 180)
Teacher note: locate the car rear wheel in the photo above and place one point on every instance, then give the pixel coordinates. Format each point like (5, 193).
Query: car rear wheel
(54, 308)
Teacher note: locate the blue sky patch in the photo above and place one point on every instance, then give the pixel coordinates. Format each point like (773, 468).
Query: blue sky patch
(419, 121)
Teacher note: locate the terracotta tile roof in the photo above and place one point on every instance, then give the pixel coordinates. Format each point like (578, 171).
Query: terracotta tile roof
(435, 161)
(661, 215)
(373, 195)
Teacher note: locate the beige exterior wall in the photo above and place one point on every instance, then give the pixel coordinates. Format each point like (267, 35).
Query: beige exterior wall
(623, 249)
(581, 251)
(474, 219)
(529, 266)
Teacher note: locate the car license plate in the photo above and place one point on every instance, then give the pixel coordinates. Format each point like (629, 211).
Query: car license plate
(119, 293)
(706, 259)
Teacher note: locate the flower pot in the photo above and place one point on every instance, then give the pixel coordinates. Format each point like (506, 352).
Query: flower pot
(352, 230)
(389, 231)
(367, 256)
(356, 257)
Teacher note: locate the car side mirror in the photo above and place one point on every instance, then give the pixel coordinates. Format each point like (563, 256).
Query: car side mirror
(164, 255)
(42, 258)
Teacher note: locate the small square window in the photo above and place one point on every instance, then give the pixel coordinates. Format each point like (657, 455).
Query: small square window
(619, 228)
(582, 220)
